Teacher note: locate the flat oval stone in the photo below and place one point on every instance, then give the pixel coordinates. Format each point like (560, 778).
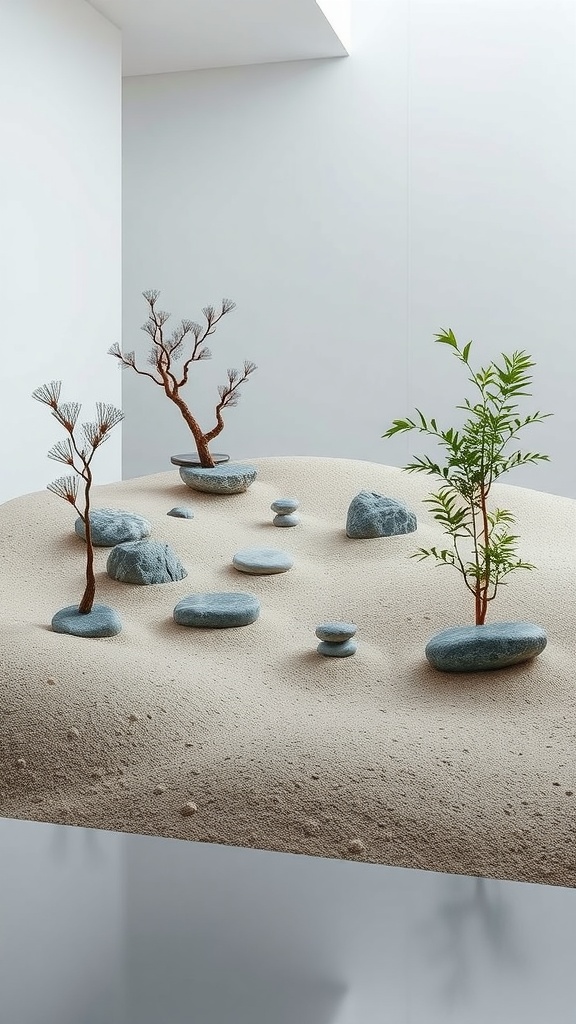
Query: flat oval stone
(230, 478)
(193, 460)
(100, 621)
(181, 512)
(284, 506)
(336, 632)
(144, 562)
(344, 650)
(285, 520)
(374, 515)
(262, 561)
(217, 611)
(111, 526)
(481, 648)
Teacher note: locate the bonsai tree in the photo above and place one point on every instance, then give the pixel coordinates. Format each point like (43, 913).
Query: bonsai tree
(68, 451)
(475, 457)
(166, 351)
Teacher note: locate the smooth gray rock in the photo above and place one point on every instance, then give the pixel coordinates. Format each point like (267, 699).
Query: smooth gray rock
(480, 648)
(373, 515)
(181, 512)
(286, 520)
(262, 561)
(343, 650)
(99, 622)
(111, 526)
(193, 460)
(144, 562)
(336, 632)
(217, 611)
(284, 506)
(230, 478)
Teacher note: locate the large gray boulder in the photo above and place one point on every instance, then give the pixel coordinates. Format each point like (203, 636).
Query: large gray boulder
(373, 515)
(144, 562)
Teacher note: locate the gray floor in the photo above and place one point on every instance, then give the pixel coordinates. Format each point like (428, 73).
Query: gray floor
(104, 928)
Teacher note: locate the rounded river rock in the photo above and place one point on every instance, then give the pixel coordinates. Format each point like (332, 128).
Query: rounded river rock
(229, 478)
(480, 648)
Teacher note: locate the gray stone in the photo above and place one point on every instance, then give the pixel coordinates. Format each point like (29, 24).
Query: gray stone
(262, 561)
(99, 622)
(111, 526)
(480, 648)
(230, 478)
(193, 460)
(144, 562)
(336, 632)
(286, 520)
(284, 506)
(181, 512)
(217, 611)
(343, 650)
(373, 515)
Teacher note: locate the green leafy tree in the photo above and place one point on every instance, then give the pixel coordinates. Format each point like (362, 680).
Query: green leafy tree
(475, 458)
(78, 454)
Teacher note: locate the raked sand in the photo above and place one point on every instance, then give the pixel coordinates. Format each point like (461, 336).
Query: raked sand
(376, 757)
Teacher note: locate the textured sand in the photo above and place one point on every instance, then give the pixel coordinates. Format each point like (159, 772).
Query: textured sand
(375, 757)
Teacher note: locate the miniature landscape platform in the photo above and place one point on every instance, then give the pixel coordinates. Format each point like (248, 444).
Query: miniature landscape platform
(376, 758)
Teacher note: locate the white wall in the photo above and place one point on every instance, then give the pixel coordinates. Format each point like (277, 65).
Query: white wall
(353, 208)
(60, 228)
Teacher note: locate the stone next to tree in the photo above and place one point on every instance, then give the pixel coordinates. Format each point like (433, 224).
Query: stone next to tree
(231, 478)
(111, 526)
(100, 621)
(481, 648)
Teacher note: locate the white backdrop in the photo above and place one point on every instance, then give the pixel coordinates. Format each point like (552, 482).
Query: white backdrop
(353, 208)
(60, 228)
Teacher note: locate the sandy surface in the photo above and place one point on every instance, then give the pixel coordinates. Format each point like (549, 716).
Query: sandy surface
(376, 757)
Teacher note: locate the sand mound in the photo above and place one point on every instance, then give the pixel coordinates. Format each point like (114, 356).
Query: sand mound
(375, 757)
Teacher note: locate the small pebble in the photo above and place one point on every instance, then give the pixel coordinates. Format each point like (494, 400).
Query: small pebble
(336, 632)
(181, 512)
(73, 734)
(336, 650)
(286, 520)
(311, 827)
(189, 808)
(284, 506)
(21, 762)
(356, 846)
(132, 718)
(158, 790)
(51, 681)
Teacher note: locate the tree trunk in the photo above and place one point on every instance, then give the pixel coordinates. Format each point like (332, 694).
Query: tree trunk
(204, 454)
(88, 598)
(206, 460)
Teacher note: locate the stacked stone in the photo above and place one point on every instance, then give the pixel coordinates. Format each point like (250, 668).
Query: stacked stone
(285, 509)
(336, 639)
